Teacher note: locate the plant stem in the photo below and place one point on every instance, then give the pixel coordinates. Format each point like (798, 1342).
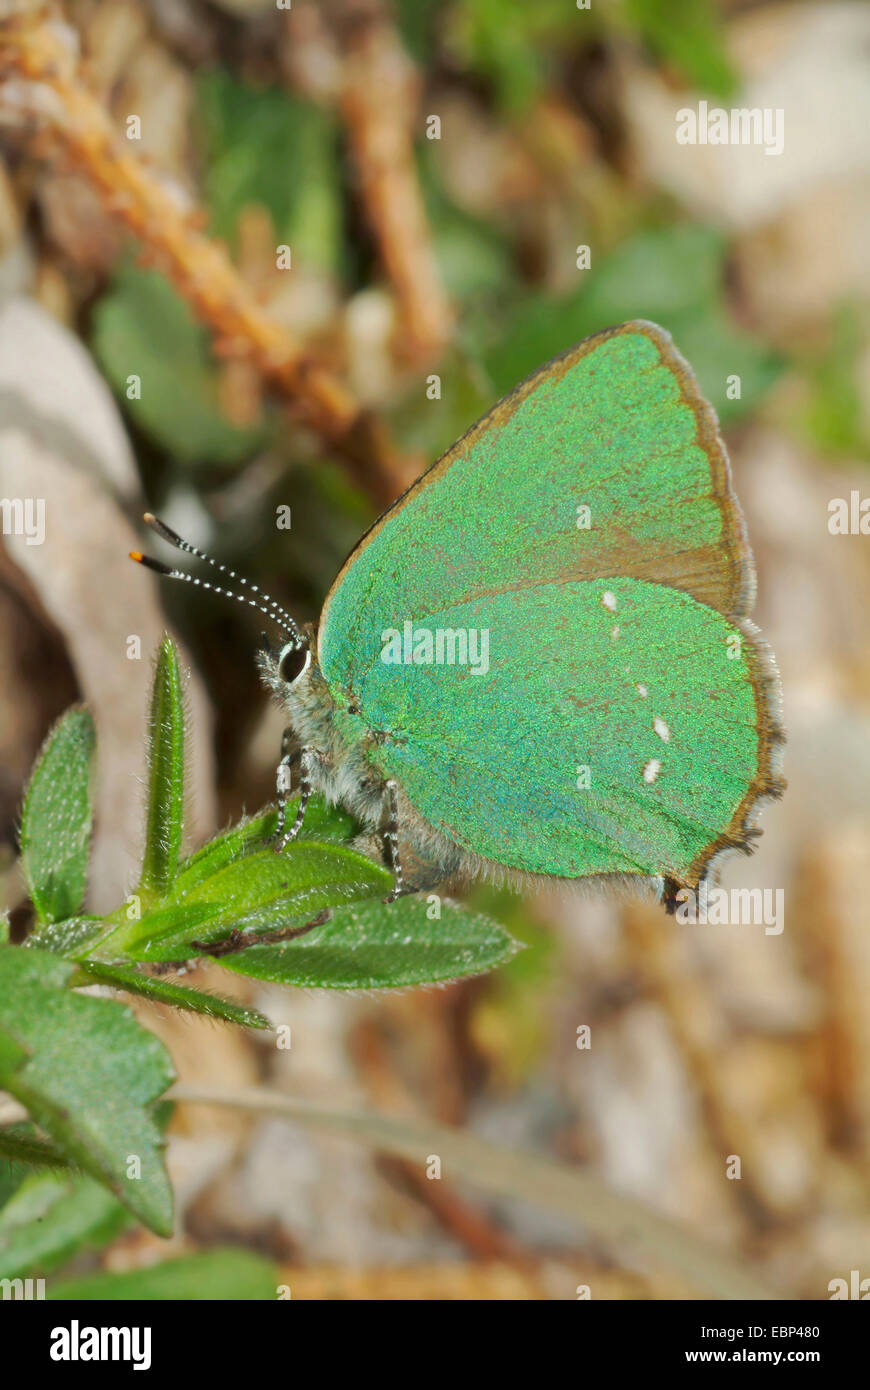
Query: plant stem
(605, 1214)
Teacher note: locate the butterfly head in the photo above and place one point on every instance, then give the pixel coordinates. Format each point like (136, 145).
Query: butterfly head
(294, 659)
(289, 668)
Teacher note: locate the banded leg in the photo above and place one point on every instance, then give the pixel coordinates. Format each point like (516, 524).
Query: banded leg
(282, 780)
(391, 837)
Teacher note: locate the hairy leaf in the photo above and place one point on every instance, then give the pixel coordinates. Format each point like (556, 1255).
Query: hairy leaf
(52, 1217)
(88, 1075)
(373, 945)
(261, 892)
(165, 814)
(56, 819)
(167, 992)
(322, 822)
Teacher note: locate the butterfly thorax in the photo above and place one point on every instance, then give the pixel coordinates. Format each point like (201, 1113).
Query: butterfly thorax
(344, 766)
(346, 769)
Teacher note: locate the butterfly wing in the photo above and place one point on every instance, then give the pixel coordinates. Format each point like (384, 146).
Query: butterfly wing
(588, 524)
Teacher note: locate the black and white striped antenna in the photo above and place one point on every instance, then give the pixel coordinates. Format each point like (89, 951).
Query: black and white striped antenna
(262, 602)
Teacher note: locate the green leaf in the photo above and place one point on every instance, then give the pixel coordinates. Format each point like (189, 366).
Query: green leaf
(373, 945)
(68, 938)
(88, 1074)
(656, 274)
(264, 147)
(166, 992)
(258, 893)
(221, 1275)
(142, 327)
(322, 822)
(52, 1217)
(56, 819)
(164, 818)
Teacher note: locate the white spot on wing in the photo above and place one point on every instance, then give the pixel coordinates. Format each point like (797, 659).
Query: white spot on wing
(642, 691)
(661, 729)
(651, 770)
(609, 601)
(614, 632)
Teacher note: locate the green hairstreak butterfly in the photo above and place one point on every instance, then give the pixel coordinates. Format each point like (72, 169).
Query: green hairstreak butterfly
(539, 662)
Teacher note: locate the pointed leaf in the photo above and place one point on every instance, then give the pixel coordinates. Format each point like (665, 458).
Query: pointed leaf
(177, 923)
(56, 819)
(52, 1217)
(373, 945)
(322, 822)
(143, 325)
(88, 1074)
(69, 937)
(165, 814)
(167, 992)
(260, 892)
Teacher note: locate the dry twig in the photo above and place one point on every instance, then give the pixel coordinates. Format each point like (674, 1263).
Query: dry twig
(378, 101)
(199, 267)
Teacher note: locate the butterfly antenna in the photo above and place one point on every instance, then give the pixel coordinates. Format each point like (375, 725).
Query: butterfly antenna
(263, 603)
(180, 544)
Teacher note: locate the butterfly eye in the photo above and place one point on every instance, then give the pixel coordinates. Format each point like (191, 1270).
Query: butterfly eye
(293, 661)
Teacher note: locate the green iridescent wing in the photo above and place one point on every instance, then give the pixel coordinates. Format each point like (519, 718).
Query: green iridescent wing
(626, 722)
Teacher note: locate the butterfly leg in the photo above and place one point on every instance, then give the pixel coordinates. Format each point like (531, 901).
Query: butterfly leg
(282, 786)
(391, 837)
(282, 781)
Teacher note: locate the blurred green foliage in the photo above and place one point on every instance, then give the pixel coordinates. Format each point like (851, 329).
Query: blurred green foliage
(142, 326)
(47, 1218)
(519, 48)
(673, 275)
(689, 35)
(214, 1275)
(511, 1017)
(833, 418)
(262, 147)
